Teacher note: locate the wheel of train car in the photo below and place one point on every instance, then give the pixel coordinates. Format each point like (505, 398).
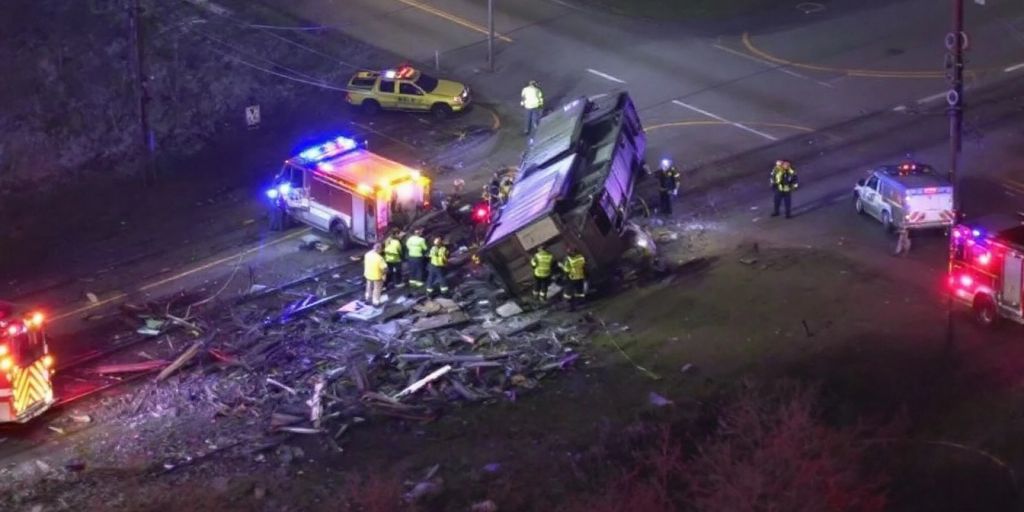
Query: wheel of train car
(441, 111)
(341, 238)
(985, 310)
(370, 107)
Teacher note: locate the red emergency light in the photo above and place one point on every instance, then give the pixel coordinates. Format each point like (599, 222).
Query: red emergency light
(482, 213)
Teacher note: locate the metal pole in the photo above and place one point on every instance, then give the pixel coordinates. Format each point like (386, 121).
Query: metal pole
(141, 91)
(955, 98)
(490, 35)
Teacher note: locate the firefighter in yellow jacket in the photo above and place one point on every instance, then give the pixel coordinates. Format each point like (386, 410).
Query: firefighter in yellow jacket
(416, 250)
(784, 182)
(541, 262)
(574, 265)
(393, 257)
(533, 101)
(374, 268)
(438, 257)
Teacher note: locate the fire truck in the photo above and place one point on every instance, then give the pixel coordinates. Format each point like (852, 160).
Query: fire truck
(25, 366)
(986, 267)
(341, 188)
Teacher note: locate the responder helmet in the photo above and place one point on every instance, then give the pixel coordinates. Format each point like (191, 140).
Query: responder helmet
(377, 247)
(438, 241)
(666, 163)
(778, 163)
(533, 83)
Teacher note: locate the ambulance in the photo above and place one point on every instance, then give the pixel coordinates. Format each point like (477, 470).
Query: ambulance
(986, 267)
(341, 188)
(26, 366)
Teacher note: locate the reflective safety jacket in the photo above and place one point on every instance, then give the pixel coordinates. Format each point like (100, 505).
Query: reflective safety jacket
(439, 256)
(392, 250)
(415, 246)
(784, 180)
(574, 267)
(533, 97)
(374, 266)
(541, 263)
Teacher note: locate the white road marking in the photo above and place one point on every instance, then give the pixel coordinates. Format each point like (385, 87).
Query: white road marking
(724, 120)
(606, 76)
(1014, 67)
(899, 108)
(933, 97)
(772, 65)
(598, 96)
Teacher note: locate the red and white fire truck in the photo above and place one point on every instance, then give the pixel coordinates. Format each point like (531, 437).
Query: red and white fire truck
(986, 267)
(25, 366)
(341, 188)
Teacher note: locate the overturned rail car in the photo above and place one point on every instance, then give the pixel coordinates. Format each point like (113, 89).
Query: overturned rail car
(573, 187)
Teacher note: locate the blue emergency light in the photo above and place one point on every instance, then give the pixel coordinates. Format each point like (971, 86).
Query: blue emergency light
(328, 149)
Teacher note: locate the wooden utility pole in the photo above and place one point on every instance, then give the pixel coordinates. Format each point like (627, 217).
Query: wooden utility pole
(147, 170)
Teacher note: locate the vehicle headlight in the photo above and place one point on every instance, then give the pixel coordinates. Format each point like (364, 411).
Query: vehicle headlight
(457, 99)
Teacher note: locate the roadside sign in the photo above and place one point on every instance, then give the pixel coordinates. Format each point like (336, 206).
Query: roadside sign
(252, 116)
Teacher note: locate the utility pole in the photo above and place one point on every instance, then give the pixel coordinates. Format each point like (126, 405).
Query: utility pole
(147, 171)
(490, 35)
(956, 41)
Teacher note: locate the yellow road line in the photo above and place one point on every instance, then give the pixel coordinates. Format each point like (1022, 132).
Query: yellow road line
(453, 18)
(864, 73)
(205, 266)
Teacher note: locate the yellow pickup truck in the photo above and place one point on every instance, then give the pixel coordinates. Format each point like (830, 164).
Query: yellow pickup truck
(406, 88)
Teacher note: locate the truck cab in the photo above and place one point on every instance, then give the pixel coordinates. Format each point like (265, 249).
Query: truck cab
(986, 269)
(406, 88)
(905, 196)
(341, 188)
(25, 365)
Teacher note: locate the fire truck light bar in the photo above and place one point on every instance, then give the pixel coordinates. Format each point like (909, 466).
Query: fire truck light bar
(328, 149)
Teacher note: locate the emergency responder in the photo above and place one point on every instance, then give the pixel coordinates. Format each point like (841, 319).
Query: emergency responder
(784, 182)
(533, 101)
(574, 266)
(505, 188)
(415, 251)
(903, 242)
(492, 191)
(541, 263)
(668, 185)
(393, 257)
(435, 270)
(374, 269)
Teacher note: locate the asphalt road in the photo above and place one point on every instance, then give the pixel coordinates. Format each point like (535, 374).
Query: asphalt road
(787, 73)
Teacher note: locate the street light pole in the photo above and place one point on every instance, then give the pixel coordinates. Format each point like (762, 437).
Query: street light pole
(956, 40)
(490, 35)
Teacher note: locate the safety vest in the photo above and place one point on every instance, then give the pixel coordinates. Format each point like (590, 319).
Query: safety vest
(415, 246)
(392, 250)
(574, 266)
(439, 256)
(374, 266)
(541, 263)
(784, 180)
(532, 97)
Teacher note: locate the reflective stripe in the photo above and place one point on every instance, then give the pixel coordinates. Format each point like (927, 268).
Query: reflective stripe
(31, 385)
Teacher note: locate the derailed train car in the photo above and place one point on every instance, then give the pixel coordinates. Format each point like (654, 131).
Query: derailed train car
(573, 187)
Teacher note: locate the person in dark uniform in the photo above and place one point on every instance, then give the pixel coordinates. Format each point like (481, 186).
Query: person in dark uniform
(784, 181)
(668, 185)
